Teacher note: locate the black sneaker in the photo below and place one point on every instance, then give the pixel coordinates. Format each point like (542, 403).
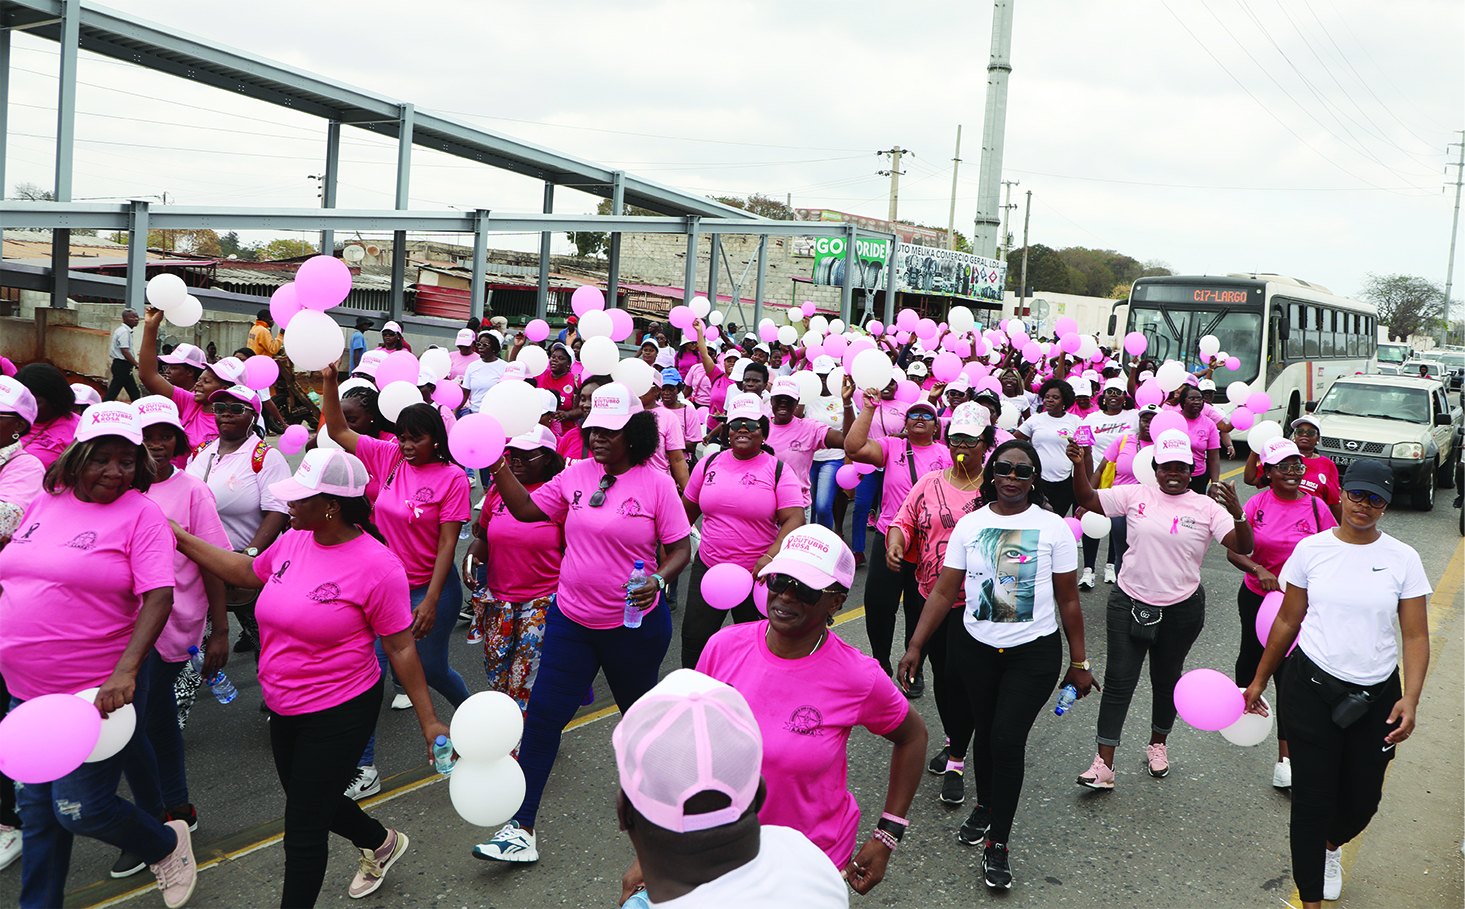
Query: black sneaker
(995, 869)
(186, 813)
(974, 828)
(127, 865)
(953, 788)
(938, 763)
(917, 687)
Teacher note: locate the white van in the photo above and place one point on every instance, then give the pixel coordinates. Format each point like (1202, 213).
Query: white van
(1391, 357)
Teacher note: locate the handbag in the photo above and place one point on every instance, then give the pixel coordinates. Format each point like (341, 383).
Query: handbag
(1350, 702)
(1144, 621)
(1111, 469)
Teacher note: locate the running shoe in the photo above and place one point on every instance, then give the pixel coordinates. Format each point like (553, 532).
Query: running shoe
(995, 868)
(511, 844)
(974, 828)
(375, 863)
(9, 846)
(1157, 761)
(953, 788)
(366, 782)
(1332, 873)
(1099, 776)
(1109, 574)
(401, 702)
(127, 865)
(1282, 774)
(937, 766)
(1086, 580)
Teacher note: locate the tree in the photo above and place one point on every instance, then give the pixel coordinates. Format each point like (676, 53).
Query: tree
(760, 205)
(229, 245)
(285, 248)
(1408, 305)
(588, 244)
(30, 192)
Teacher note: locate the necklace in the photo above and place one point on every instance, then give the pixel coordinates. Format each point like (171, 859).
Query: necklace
(964, 485)
(817, 644)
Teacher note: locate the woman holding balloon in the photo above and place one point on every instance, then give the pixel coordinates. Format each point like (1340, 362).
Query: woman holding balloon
(479, 377)
(192, 399)
(1320, 474)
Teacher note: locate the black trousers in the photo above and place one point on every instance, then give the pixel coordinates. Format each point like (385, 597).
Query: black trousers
(700, 621)
(1178, 631)
(1249, 655)
(1007, 688)
(1337, 774)
(315, 757)
(122, 380)
(949, 690)
(887, 593)
(1059, 494)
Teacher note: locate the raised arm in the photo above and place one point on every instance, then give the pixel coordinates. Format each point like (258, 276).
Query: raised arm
(516, 497)
(147, 356)
(330, 411)
(857, 442)
(1084, 494)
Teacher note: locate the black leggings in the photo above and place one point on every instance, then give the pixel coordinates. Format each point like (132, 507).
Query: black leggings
(884, 592)
(700, 621)
(8, 815)
(1250, 654)
(1007, 688)
(1118, 543)
(952, 703)
(1059, 494)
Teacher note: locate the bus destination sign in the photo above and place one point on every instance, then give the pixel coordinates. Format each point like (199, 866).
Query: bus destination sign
(1190, 293)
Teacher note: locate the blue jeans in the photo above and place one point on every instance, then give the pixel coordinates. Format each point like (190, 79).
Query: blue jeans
(154, 765)
(82, 803)
(867, 497)
(822, 489)
(432, 650)
(572, 655)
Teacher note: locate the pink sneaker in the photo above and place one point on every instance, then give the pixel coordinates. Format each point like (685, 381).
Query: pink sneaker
(374, 864)
(178, 873)
(1099, 776)
(1157, 762)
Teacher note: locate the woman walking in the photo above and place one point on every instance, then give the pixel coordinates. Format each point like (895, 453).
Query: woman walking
(796, 440)
(1116, 468)
(1113, 420)
(1050, 431)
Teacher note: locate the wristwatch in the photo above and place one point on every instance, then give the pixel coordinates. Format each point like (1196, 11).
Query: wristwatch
(252, 551)
(1083, 665)
(660, 582)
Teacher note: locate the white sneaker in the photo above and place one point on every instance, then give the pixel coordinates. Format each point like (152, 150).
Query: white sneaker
(366, 782)
(1282, 774)
(1087, 579)
(401, 702)
(1333, 874)
(511, 844)
(9, 846)
(1109, 574)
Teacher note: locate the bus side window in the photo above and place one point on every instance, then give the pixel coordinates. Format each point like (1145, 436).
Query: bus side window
(1312, 318)
(1353, 332)
(1297, 330)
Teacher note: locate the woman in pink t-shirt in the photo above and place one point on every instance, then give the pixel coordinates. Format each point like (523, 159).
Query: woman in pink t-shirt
(331, 592)
(795, 439)
(55, 425)
(20, 471)
(1121, 454)
(574, 443)
(192, 398)
(1321, 476)
(718, 371)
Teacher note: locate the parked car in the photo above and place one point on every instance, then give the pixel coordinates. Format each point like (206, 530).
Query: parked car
(1404, 422)
(1454, 362)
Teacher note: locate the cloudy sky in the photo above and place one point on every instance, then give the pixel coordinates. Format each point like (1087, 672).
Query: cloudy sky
(1301, 136)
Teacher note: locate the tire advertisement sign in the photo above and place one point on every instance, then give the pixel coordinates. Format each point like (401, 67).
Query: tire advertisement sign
(947, 272)
(869, 262)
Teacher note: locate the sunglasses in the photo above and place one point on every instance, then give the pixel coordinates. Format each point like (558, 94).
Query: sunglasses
(1358, 496)
(743, 424)
(920, 416)
(526, 457)
(230, 407)
(809, 596)
(597, 498)
(1009, 469)
(1305, 431)
(1284, 467)
(962, 442)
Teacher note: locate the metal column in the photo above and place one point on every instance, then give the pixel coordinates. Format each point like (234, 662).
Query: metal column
(137, 255)
(328, 182)
(541, 306)
(689, 275)
(480, 263)
(892, 264)
(70, 45)
(399, 237)
(714, 257)
(846, 292)
(4, 103)
(762, 281)
(613, 251)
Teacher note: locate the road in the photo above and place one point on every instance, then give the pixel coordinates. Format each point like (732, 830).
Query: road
(1214, 833)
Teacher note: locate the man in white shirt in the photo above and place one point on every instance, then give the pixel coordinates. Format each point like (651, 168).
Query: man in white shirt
(123, 359)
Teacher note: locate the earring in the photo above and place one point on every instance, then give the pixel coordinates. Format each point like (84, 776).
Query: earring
(829, 621)
(15, 437)
(330, 517)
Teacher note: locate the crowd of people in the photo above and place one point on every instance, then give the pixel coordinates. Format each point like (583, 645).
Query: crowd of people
(178, 510)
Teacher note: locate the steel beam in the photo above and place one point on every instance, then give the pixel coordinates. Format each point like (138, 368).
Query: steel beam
(846, 291)
(405, 114)
(714, 262)
(137, 255)
(4, 104)
(613, 251)
(328, 182)
(480, 263)
(762, 280)
(689, 272)
(541, 301)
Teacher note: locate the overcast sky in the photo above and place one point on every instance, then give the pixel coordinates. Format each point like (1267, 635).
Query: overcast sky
(1301, 136)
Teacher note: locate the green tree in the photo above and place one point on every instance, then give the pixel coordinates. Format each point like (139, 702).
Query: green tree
(760, 205)
(588, 244)
(286, 248)
(1408, 305)
(1046, 271)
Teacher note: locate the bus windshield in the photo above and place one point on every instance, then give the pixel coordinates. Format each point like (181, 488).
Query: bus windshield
(1174, 334)
(1392, 353)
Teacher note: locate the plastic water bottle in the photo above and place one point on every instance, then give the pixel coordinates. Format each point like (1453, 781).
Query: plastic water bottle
(637, 900)
(1066, 696)
(636, 581)
(442, 755)
(219, 684)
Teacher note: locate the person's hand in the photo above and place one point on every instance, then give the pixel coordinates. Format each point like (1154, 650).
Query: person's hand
(908, 668)
(1074, 453)
(1254, 702)
(215, 652)
(1403, 712)
(423, 617)
(152, 316)
(645, 597)
(894, 554)
(1230, 451)
(697, 327)
(329, 372)
(519, 340)
(761, 564)
(1224, 491)
(120, 686)
(847, 391)
(430, 731)
(1268, 580)
(867, 868)
(872, 397)
(631, 881)
(936, 391)
(1079, 512)
(1081, 679)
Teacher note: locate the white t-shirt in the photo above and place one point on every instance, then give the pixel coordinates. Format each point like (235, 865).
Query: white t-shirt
(242, 494)
(1107, 429)
(788, 871)
(1009, 562)
(1050, 435)
(829, 410)
(121, 340)
(479, 377)
(1025, 402)
(1353, 595)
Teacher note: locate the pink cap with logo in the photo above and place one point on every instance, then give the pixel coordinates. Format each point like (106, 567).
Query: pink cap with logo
(969, 419)
(1172, 446)
(188, 355)
(369, 362)
(85, 395)
(815, 555)
(536, 438)
(238, 393)
(17, 399)
(324, 470)
(611, 406)
(746, 406)
(1275, 451)
(516, 370)
(785, 386)
(465, 338)
(110, 418)
(155, 409)
(230, 370)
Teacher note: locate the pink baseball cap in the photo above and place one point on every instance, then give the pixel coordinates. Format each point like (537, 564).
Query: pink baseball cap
(85, 394)
(536, 438)
(324, 470)
(688, 735)
(746, 406)
(110, 418)
(1277, 450)
(1172, 446)
(155, 409)
(815, 555)
(238, 393)
(230, 370)
(785, 386)
(188, 355)
(17, 399)
(611, 407)
(516, 370)
(465, 338)
(369, 362)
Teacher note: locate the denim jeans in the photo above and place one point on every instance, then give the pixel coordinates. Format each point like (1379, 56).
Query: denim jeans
(82, 803)
(867, 497)
(154, 765)
(1179, 629)
(823, 489)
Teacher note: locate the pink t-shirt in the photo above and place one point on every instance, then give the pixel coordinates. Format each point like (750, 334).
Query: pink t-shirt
(1168, 536)
(458, 363)
(669, 438)
(20, 479)
(48, 440)
(691, 419)
(641, 509)
(74, 575)
(1278, 526)
(1082, 412)
(889, 417)
(926, 519)
(1121, 454)
(197, 419)
(1204, 437)
(739, 505)
(795, 444)
(320, 613)
(718, 389)
(898, 482)
(523, 558)
(1321, 479)
(573, 445)
(695, 378)
(413, 503)
(806, 709)
(187, 500)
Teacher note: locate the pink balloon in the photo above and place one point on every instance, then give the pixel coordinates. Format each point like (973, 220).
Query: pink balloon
(847, 476)
(1020, 340)
(47, 737)
(726, 585)
(477, 440)
(760, 597)
(946, 366)
(447, 393)
(1135, 343)
(902, 337)
(681, 317)
(1242, 419)
(1233, 363)
(1148, 392)
(711, 332)
(260, 372)
(875, 328)
(926, 328)
(1266, 614)
(1208, 699)
(537, 330)
(621, 325)
(980, 347)
(399, 366)
(990, 383)
(768, 332)
(1075, 525)
(1166, 419)
(322, 282)
(1032, 352)
(835, 346)
(1259, 402)
(906, 319)
(1070, 343)
(813, 352)
(1064, 326)
(293, 439)
(284, 305)
(808, 309)
(862, 468)
(907, 391)
(587, 298)
(962, 348)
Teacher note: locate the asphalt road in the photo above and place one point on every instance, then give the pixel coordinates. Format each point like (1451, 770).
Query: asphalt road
(1214, 833)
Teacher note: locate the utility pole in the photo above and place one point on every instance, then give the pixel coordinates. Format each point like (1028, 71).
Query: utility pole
(1454, 226)
(1022, 298)
(951, 220)
(894, 175)
(994, 127)
(1007, 206)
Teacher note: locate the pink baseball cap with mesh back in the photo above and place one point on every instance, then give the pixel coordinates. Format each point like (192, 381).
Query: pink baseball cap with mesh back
(110, 418)
(815, 555)
(188, 355)
(324, 470)
(17, 399)
(611, 407)
(230, 370)
(688, 735)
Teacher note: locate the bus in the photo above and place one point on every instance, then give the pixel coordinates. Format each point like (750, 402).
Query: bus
(1293, 338)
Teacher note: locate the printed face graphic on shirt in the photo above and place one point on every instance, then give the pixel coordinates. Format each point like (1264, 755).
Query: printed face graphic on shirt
(1007, 563)
(805, 720)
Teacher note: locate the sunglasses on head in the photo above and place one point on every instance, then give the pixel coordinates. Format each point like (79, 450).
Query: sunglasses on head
(1009, 469)
(743, 424)
(230, 407)
(597, 498)
(809, 596)
(1359, 496)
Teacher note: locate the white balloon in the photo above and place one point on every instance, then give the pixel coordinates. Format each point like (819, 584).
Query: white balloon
(166, 291)
(635, 374)
(819, 323)
(811, 337)
(117, 728)
(1008, 417)
(515, 404)
(395, 398)
(700, 307)
(535, 360)
(1094, 524)
(186, 313)
(764, 322)
(1238, 392)
(715, 318)
(1143, 467)
(836, 326)
(1087, 347)
(810, 387)
(1251, 729)
(960, 319)
(486, 727)
(787, 335)
(599, 355)
(1262, 433)
(314, 340)
(1209, 345)
(438, 363)
(354, 383)
(1170, 375)
(486, 793)
(323, 439)
(595, 324)
(871, 369)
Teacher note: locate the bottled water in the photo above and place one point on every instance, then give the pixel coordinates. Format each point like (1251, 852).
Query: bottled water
(220, 685)
(442, 755)
(637, 900)
(1066, 696)
(633, 584)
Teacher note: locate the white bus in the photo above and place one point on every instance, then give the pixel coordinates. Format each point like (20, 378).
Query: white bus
(1293, 338)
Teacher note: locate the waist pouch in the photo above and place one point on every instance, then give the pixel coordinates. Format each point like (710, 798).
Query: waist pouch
(1350, 702)
(1144, 621)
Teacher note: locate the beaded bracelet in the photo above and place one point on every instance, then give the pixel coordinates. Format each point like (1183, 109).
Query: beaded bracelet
(885, 838)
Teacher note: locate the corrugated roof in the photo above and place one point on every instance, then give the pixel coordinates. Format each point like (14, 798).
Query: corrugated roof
(263, 277)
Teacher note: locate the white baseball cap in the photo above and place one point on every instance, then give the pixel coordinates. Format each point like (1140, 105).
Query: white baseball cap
(238, 393)
(85, 394)
(744, 406)
(1116, 384)
(814, 555)
(230, 370)
(960, 383)
(824, 365)
(1173, 446)
(1207, 385)
(1082, 387)
(611, 407)
(534, 439)
(549, 402)
(786, 386)
(917, 368)
(426, 376)
(155, 409)
(969, 419)
(110, 418)
(516, 370)
(17, 399)
(392, 326)
(324, 470)
(465, 338)
(369, 362)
